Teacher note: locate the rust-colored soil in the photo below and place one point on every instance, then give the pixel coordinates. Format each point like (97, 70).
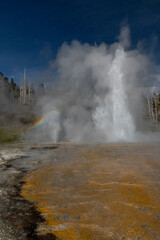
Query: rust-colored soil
(103, 192)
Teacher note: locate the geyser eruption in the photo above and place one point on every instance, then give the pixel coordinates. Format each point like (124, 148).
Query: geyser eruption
(115, 120)
(96, 93)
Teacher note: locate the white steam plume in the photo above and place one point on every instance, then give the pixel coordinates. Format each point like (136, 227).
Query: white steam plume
(96, 93)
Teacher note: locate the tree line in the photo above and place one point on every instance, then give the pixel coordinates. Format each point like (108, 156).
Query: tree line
(24, 94)
(151, 108)
(8, 88)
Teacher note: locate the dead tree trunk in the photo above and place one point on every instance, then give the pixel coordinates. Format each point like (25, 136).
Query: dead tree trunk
(156, 107)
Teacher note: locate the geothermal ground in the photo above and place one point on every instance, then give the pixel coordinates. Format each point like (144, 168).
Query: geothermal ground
(74, 191)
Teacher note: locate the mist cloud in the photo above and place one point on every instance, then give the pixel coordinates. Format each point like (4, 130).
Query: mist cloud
(96, 94)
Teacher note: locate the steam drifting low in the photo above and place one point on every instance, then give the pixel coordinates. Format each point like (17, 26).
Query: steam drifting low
(96, 96)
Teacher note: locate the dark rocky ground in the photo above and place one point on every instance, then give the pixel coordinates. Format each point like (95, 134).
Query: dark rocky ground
(18, 217)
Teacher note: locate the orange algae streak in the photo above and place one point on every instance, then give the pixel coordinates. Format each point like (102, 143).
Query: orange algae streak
(103, 194)
(36, 190)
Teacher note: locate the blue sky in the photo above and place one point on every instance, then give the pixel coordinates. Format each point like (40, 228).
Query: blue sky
(32, 31)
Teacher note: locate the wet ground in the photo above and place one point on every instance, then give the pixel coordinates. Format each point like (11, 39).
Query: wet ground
(100, 192)
(18, 217)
